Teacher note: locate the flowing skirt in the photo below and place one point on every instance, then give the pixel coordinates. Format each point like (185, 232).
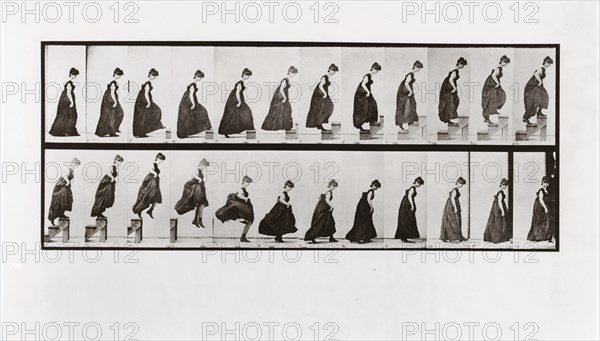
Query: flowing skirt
(320, 110)
(236, 120)
(498, 228)
(407, 221)
(110, 117)
(406, 107)
(540, 224)
(62, 200)
(363, 228)
(146, 120)
(148, 194)
(105, 196)
(279, 221)
(536, 98)
(194, 194)
(322, 223)
(365, 108)
(191, 121)
(280, 114)
(235, 209)
(452, 223)
(66, 118)
(449, 102)
(492, 98)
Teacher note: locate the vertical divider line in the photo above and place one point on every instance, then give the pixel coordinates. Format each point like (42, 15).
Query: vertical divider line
(511, 189)
(469, 192)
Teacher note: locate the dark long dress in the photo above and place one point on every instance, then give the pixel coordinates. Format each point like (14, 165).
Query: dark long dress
(363, 228)
(149, 192)
(322, 223)
(105, 194)
(235, 208)
(280, 113)
(540, 221)
(146, 120)
(110, 117)
(499, 228)
(407, 219)
(62, 197)
(280, 220)
(406, 106)
(194, 195)
(365, 108)
(492, 97)
(452, 222)
(236, 120)
(191, 121)
(536, 96)
(321, 108)
(66, 117)
(449, 101)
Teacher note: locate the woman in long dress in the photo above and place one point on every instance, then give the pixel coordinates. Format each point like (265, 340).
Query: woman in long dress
(499, 225)
(62, 196)
(280, 220)
(493, 96)
(105, 193)
(363, 229)
(365, 105)
(149, 194)
(237, 116)
(111, 112)
(322, 223)
(536, 97)
(407, 218)
(449, 100)
(451, 217)
(194, 195)
(280, 111)
(541, 229)
(147, 114)
(192, 117)
(239, 207)
(321, 105)
(406, 105)
(66, 112)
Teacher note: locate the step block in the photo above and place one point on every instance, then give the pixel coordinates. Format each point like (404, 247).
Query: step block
(443, 135)
(209, 134)
(101, 227)
(291, 134)
(250, 134)
(336, 128)
(463, 120)
(521, 135)
(173, 230)
(483, 135)
(381, 119)
(403, 135)
(135, 228)
(327, 135)
(364, 135)
(375, 127)
(62, 227)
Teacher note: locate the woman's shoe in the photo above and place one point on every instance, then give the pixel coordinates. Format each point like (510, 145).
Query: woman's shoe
(243, 239)
(149, 212)
(526, 120)
(332, 240)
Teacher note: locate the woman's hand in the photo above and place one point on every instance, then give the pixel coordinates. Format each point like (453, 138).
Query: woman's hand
(238, 105)
(455, 211)
(540, 84)
(331, 209)
(325, 96)
(148, 105)
(497, 85)
(410, 94)
(368, 94)
(502, 214)
(545, 210)
(413, 209)
(71, 105)
(115, 105)
(283, 100)
(193, 106)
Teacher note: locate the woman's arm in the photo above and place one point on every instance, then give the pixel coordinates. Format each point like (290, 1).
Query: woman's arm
(192, 98)
(407, 84)
(69, 90)
(329, 201)
(238, 95)
(370, 201)
(541, 198)
(495, 77)
(537, 77)
(197, 177)
(412, 199)
(321, 87)
(65, 176)
(364, 86)
(113, 94)
(282, 200)
(282, 91)
(240, 195)
(500, 204)
(147, 95)
(452, 78)
(109, 173)
(453, 197)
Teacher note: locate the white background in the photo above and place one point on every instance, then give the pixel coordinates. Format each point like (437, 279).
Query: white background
(368, 295)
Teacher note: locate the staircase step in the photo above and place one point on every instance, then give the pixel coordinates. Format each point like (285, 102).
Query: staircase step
(403, 135)
(443, 135)
(326, 135)
(250, 134)
(291, 135)
(483, 135)
(336, 127)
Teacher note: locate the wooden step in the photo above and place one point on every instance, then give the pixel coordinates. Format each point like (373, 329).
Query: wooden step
(250, 134)
(136, 228)
(463, 120)
(326, 135)
(209, 135)
(173, 229)
(101, 227)
(403, 134)
(63, 226)
(381, 119)
(532, 129)
(364, 135)
(503, 120)
(443, 135)
(375, 128)
(336, 128)
(291, 134)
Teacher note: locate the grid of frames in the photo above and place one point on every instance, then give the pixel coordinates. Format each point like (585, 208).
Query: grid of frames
(254, 145)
